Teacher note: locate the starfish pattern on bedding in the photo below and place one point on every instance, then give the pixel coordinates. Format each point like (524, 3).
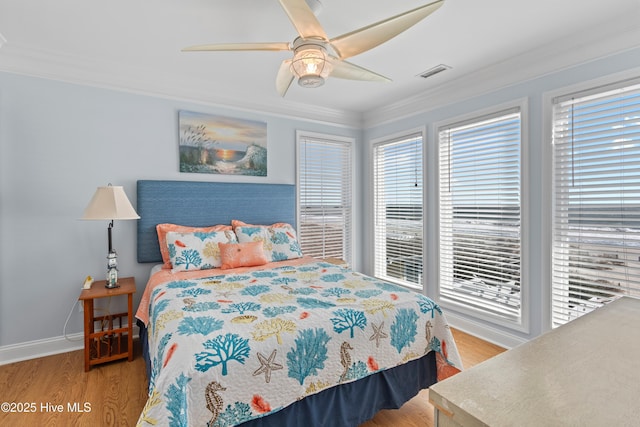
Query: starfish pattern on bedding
(378, 333)
(267, 365)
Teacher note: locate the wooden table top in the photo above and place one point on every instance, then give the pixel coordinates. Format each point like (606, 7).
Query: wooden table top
(127, 285)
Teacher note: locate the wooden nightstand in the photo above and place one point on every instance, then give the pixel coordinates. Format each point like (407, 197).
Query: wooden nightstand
(110, 340)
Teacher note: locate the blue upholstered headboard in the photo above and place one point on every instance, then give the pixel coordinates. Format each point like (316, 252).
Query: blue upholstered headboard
(201, 204)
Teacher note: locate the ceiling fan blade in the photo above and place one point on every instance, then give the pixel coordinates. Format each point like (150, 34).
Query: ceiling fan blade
(238, 46)
(365, 38)
(284, 78)
(303, 19)
(347, 70)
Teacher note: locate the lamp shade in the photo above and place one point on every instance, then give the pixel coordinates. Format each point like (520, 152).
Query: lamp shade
(109, 203)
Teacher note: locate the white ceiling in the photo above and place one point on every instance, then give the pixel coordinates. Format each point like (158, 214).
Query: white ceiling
(135, 45)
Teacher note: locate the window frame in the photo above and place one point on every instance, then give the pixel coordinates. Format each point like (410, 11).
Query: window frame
(523, 323)
(335, 139)
(579, 90)
(389, 139)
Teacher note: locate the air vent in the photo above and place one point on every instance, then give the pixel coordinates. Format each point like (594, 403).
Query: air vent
(433, 71)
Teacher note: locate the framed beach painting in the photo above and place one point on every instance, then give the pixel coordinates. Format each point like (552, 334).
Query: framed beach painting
(222, 145)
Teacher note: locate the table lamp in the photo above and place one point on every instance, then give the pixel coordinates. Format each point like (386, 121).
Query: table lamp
(110, 203)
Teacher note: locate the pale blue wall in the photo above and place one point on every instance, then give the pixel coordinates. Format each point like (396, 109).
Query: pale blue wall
(58, 142)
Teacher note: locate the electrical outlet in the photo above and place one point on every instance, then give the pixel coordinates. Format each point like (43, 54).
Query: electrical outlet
(80, 306)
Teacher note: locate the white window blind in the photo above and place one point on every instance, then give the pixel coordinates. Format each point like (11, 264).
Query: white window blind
(324, 197)
(398, 210)
(596, 215)
(480, 221)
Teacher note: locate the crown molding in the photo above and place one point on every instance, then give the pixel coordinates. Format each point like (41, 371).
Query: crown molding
(599, 43)
(606, 40)
(26, 60)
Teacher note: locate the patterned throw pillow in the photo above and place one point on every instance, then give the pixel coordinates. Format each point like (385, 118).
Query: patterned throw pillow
(163, 229)
(279, 240)
(235, 255)
(198, 250)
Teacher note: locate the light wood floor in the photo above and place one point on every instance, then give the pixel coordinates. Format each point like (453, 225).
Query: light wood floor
(114, 393)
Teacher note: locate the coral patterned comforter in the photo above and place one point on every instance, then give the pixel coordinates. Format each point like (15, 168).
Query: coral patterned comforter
(227, 348)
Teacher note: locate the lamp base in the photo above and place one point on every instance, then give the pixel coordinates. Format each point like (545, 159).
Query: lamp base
(112, 278)
(111, 285)
(112, 270)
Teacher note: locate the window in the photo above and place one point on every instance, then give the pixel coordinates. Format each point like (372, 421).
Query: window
(324, 196)
(596, 214)
(398, 231)
(480, 215)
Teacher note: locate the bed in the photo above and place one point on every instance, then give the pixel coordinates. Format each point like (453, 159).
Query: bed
(275, 338)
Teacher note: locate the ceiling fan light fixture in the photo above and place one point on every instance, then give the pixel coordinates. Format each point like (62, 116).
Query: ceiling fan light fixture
(311, 65)
(316, 56)
(311, 81)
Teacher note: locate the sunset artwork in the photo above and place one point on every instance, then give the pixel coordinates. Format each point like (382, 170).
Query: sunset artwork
(222, 145)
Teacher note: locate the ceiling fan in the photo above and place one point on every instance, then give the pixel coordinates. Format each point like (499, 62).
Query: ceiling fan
(315, 56)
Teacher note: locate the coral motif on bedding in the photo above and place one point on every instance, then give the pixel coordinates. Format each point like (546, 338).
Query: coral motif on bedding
(279, 240)
(163, 229)
(229, 348)
(197, 250)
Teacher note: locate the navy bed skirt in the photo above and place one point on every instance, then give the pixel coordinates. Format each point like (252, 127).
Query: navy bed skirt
(349, 404)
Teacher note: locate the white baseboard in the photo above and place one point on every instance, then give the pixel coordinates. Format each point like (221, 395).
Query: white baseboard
(492, 335)
(41, 348)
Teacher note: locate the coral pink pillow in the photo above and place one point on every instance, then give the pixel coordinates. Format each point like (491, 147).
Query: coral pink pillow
(163, 229)
(235, 255)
